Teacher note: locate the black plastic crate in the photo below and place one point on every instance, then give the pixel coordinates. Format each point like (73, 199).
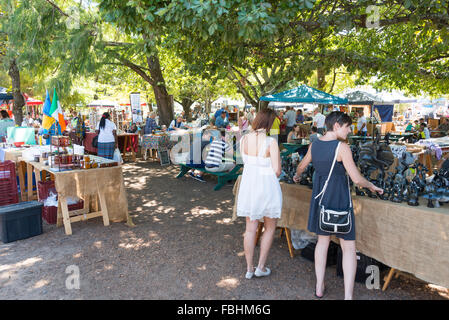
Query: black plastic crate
(362, 263)
(309, 253)
(20, 221)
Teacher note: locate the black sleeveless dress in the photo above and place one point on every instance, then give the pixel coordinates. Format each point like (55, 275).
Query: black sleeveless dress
(337, 193)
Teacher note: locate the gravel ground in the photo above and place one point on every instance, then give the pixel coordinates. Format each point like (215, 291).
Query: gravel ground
(184, 246)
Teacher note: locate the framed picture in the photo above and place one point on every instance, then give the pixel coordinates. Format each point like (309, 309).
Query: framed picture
(164, 157)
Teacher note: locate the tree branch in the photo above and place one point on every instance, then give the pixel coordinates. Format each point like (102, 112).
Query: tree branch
(57, 8)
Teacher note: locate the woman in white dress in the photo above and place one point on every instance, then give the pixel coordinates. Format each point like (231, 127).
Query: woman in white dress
(260, 195)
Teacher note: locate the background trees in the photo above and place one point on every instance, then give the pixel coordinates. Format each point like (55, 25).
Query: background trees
(196, 50)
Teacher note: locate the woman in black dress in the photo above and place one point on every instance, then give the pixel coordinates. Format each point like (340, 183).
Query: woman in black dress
(337, 195)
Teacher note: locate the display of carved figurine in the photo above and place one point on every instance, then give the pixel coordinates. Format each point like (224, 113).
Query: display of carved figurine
(307, 176)
(430, 195)
(413, 193)
(399, 184)
(374, 155)
(388, 189)
(441, 184)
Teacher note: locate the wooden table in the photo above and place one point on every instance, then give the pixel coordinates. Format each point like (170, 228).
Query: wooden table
(64, 216)
(125, 141)
(291, 148)
(406, 238)
(128, 143)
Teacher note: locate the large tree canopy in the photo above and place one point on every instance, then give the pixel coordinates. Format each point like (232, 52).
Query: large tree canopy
(262, 45)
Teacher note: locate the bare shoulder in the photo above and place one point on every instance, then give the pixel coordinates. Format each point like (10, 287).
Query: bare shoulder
(344, 149)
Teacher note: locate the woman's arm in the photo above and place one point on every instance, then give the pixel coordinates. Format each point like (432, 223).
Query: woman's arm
(353, 171)
(303, 164)
(275, 157)
(289, 137)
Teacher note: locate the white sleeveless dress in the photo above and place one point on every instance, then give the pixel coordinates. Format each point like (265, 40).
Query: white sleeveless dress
(260, 193)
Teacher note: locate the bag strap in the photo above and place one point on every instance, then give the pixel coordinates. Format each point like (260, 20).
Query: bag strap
(329, 176)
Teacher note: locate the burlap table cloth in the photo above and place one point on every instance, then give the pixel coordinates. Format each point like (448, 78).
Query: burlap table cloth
(410, 239)
(81, 183)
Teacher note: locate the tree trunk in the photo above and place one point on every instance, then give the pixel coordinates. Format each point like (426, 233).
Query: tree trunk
(208, 106)
(163, 100)
(19, 100)
(186, 103)
(321, 76)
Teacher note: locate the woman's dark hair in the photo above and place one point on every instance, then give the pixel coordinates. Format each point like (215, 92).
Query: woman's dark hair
(103, 120)
(264, 119)
(295, 126)
(337, 117)
(4, 114)
(314, 129)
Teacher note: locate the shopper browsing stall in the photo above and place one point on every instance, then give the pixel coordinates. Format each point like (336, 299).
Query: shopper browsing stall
(5, 123)
(151, 124)
(318, 120)
(260, 195)
(107, 137)
(361, 125)
(332, 160)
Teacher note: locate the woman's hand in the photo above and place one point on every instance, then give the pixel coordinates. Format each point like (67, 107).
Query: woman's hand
(373, 188)
(296, 178)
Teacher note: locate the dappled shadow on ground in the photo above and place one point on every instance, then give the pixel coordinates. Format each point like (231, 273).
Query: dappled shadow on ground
(184, 246)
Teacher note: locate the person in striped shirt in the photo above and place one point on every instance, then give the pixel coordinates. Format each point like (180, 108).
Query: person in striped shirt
(216, 158)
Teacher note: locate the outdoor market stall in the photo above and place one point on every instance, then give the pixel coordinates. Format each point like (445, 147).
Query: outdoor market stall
(105, 183)
(127, 142)
(93, 179)
(303, 94)
(409, 239)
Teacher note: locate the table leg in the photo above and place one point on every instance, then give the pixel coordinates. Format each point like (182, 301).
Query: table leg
(104, 208)
(125, 145)
(37, 175)
(21, 170)
(132, 150)
(30, 181)
(388, 279)
(144, 150)
(65, 215)
(289, 241)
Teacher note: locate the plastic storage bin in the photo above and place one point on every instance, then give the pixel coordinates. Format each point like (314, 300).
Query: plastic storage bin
(20, 221)
(8, 183)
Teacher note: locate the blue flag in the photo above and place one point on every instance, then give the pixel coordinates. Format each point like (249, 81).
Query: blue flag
(47, 120)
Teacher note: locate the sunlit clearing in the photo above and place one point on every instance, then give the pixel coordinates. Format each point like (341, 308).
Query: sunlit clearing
(202, 268)
(139, 183)
(77, 255)
(442, 291)
(241, 254)
(136, 244)
(26, 263)
(189, 285)
(41, 283)
(98, 244)
(228, 283)
(223, 221)
(152, 203)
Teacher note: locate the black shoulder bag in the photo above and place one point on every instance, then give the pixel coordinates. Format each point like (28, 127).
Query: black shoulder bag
(331, 220)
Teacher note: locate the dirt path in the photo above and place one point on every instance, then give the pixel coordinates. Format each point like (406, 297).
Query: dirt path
(184, 246)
